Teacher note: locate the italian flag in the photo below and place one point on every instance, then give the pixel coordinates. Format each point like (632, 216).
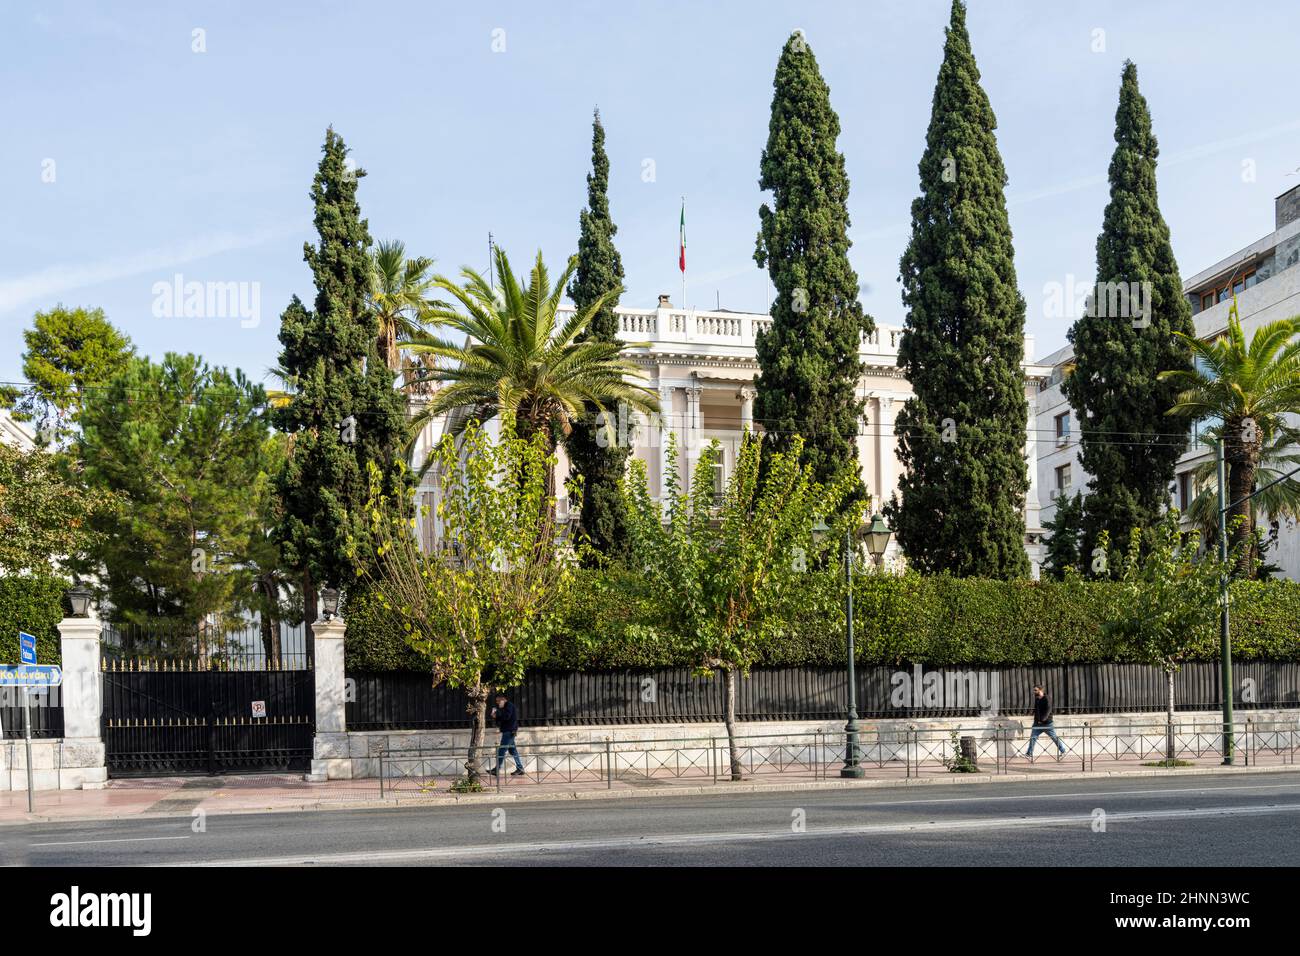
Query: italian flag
(681, 244)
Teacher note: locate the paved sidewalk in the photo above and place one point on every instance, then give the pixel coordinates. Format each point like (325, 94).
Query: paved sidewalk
(173, 796)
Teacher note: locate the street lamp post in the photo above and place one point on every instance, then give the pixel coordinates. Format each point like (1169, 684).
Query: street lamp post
(877, 541)
(1225, 639)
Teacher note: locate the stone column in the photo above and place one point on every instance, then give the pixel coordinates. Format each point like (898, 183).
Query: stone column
(82, 765)
(747, 395)
(665, 429)
(693, 436)
(330, 751)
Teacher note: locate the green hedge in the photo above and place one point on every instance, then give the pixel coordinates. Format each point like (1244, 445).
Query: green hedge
(898, 619)
(34, 605)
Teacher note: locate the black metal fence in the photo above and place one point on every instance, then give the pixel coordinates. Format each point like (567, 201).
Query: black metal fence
(46, 713)
(242, 645)
(406, 701)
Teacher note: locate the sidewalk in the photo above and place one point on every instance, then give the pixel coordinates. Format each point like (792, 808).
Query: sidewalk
(182, 796)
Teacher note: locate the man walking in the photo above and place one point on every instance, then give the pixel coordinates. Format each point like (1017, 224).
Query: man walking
(1043, 723)
(507, 719)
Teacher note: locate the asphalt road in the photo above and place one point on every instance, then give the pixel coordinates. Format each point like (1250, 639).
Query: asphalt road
(1189, 821)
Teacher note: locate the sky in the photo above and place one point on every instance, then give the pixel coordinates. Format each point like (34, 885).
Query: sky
(147, 141)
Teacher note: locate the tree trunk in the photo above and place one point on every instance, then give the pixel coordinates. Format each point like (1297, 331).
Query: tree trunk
(729, 689)
(310, 607)
(1169, 717)
(1242, 458)
(477, 708)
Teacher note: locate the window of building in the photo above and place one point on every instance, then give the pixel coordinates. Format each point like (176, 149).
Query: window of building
(1062, 481)
(1185, 491)
(719, 482)
(1062, 428)
(1222, 293)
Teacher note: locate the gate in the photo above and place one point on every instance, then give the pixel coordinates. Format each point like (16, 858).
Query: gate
(216, 707)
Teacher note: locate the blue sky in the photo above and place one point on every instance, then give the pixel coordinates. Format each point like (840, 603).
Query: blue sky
(169, 161)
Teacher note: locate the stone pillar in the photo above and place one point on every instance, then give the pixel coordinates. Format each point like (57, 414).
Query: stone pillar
(330, 751)
(747, 395)
(666, 428)
(81, 763)
(693, 436)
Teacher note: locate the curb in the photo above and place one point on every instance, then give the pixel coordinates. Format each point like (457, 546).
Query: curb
(720, 789)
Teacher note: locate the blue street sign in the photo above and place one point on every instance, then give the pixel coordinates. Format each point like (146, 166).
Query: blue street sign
(30, 675)
(26, 648)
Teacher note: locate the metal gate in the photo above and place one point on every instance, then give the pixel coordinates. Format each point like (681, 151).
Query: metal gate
(207, 713)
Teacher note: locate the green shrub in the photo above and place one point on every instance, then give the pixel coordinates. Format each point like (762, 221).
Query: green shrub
(936, 620)
(35, 605)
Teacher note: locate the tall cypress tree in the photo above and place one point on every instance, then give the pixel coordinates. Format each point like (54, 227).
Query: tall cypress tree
(344, 412)
(1129, 446)
(961, 438)
(596, 457)
(808, 359)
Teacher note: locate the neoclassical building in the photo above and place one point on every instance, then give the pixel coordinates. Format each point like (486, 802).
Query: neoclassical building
(704, 364)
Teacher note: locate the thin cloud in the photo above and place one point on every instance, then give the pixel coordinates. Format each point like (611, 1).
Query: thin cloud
(55, 281)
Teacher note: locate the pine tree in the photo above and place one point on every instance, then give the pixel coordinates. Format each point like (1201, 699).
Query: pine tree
(808, 359)
(344, 412)
(599, 457)
(961, 438)
(1130, 446)
(1063, 541)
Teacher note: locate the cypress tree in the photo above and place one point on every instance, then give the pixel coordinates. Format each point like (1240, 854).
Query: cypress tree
(344, 412)
(1129, 446)
(808, 359)
(593, 455)
(961, 439)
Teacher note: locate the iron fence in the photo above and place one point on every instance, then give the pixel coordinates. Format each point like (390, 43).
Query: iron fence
(162, 644)
(407, 701)
(903, 753)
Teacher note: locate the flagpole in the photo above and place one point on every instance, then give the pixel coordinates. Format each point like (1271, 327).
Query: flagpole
(683, 242)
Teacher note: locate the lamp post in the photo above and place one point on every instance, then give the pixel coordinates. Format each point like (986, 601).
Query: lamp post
(329, 603)
(877, 541)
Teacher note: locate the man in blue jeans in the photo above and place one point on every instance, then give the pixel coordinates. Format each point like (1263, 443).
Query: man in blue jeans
(1043, 723)
(507, 719)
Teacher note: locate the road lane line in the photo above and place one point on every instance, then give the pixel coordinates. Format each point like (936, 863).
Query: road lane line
(121, 840)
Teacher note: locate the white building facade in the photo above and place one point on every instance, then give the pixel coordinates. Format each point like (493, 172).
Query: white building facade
(703, 365)
(1266, 282)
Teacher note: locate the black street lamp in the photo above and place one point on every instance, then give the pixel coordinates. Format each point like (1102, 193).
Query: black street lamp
(877, 541)
(79, 600)
(329, 603)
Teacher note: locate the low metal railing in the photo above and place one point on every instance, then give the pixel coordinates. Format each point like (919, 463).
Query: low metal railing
(906, 752)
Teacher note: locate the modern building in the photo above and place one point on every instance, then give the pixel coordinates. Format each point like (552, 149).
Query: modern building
(1266, 282)
(15, 433)
(704, 364)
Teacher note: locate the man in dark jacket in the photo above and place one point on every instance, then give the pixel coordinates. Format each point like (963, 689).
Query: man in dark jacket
(1043, 723)
(507, 719)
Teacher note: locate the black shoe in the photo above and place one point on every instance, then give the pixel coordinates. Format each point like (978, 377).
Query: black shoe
(493, 771)
(517, 773)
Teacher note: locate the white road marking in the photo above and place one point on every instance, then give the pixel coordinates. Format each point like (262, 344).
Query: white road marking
(121, 840)
(709, 839)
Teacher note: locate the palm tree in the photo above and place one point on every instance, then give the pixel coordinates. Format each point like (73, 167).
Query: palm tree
(1250, 388)
(517, 363)
(1279, 456)
(399, 296)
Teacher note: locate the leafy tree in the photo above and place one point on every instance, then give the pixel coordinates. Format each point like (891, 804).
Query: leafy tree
(68, 352)
(961, 437)
(45, 515)
(180, 447)
(1171, 595)
(1129, 446)
(517, 365)
(343, 411)
(1250, 387)
(480, 608)
(598, 280)
(808, 359)
(1063, 544)
(724, 573)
